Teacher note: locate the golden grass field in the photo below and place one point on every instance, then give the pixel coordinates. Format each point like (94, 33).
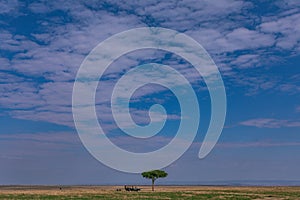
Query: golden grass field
(161, 192)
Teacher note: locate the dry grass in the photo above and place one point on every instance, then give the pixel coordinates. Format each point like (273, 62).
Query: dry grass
(161, 192)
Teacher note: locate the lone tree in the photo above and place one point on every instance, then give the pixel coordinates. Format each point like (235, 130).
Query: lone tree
(153, 175)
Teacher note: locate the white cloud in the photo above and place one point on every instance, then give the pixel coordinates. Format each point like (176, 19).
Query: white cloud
(242, 39)
(55, 53)
(256, 144)
(288, 28)
(246, 61)
(8, 6)
(270, 123)
(22, 146)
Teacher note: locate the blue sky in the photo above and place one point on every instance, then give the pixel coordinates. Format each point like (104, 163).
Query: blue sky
(255, 44)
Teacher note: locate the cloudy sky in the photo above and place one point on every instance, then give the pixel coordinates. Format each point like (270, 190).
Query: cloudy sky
(255, 44)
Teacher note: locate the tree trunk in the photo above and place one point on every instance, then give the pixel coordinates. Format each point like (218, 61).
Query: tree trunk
(152, 184)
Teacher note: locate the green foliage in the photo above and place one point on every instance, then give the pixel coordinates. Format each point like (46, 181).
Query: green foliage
(153, 175)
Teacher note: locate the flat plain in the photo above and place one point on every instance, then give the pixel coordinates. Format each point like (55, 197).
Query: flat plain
(161, 192)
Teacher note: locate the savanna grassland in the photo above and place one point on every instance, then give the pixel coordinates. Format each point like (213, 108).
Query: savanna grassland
(161, 192)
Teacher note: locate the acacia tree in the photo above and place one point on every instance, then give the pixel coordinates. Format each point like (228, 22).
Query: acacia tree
(153, 175)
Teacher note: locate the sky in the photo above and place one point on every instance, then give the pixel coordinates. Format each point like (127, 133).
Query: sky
(255, 45)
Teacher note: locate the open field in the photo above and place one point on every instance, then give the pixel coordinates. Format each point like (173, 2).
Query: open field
(162, 192)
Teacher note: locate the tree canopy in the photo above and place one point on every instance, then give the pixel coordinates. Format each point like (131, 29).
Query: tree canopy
(153, 175)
